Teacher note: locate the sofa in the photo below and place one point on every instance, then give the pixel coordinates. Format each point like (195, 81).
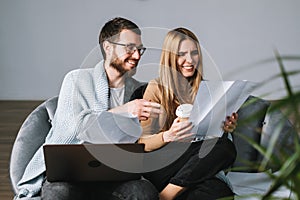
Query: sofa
(256, 123)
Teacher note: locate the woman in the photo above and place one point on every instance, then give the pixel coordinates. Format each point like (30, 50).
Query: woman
(191, 176)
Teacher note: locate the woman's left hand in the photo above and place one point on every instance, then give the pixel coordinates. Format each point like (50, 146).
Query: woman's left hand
(230, 123)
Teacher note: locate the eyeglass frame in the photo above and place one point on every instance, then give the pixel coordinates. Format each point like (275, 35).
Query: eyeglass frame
(140, 49)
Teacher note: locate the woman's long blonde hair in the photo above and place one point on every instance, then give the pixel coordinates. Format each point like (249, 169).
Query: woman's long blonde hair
(175, 88)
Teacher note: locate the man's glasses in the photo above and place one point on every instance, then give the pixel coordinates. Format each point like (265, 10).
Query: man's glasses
(131, 48)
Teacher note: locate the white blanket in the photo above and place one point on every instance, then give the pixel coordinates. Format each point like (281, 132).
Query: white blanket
(251, 186)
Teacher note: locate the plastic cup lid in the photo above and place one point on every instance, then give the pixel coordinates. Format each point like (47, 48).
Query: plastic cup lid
(184, 110)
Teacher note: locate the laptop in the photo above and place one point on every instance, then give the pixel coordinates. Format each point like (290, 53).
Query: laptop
(93, 162)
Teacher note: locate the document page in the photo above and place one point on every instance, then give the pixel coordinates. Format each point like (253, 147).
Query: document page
(214, 101)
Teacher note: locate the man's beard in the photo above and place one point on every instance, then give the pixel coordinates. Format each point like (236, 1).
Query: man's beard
(118, 64)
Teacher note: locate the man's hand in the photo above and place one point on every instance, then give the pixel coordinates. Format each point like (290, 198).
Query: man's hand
(140, 108)
(230, 123)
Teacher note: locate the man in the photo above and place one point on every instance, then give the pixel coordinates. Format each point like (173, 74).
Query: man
(84, 94)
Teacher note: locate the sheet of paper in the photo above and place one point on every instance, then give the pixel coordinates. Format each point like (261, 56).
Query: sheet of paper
(214, 101)
(111, 128)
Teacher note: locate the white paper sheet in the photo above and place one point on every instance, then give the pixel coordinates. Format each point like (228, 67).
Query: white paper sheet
(112, 128)
(214, 101)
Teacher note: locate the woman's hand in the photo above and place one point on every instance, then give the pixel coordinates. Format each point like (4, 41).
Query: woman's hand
(178, 131)
(230, 123)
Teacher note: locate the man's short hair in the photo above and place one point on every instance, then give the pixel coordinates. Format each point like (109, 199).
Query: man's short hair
(111, 30)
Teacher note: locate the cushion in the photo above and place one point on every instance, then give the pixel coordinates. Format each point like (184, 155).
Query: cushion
(277, 127)
(51, 106)
(250, 122)
(30, 137)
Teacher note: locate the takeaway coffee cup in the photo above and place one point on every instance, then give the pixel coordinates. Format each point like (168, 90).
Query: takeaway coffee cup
(183, 111)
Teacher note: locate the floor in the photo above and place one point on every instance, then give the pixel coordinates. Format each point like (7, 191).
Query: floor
(12, 114)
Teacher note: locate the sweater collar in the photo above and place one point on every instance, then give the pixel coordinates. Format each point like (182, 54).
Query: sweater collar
(101, 87)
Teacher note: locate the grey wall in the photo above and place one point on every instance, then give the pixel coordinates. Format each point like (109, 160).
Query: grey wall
(40, 41)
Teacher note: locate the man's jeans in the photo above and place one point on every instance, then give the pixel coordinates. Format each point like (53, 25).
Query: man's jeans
(130, 190)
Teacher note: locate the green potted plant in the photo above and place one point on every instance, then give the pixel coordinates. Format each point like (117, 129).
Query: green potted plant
(288, 174)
